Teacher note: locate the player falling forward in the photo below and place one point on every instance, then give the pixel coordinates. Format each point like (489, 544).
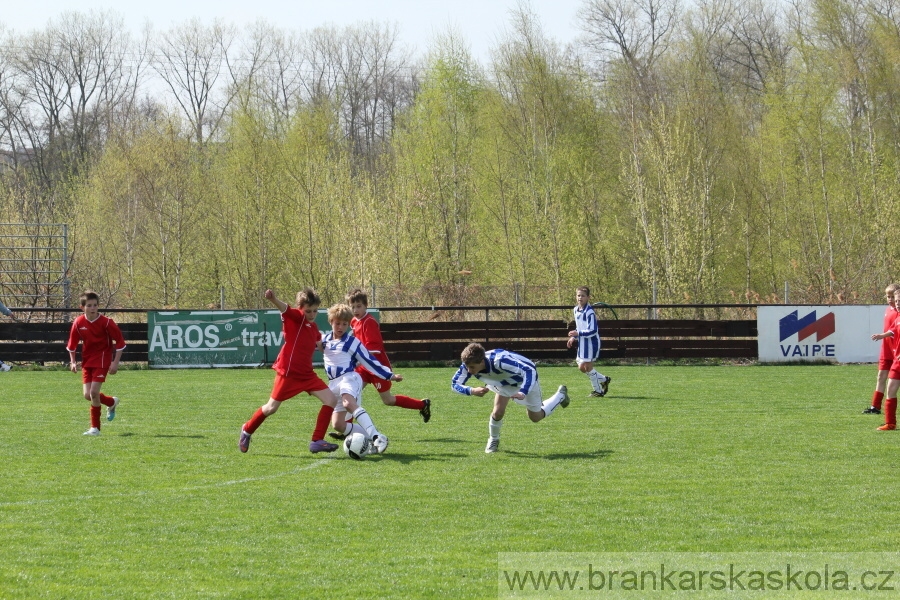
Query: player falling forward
(367, 330)
(886, 357)
(101, 350)
(294, 370)
(508, 375)
(343, 354)
(587, 335)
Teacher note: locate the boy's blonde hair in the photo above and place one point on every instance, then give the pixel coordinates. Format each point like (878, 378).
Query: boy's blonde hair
(357, 295)
(88, 295)
(892, 288)
(473, 353)
(308, 297)
(340, 312)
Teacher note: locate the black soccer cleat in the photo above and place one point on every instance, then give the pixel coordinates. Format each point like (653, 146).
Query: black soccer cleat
(872, 411)
(425, 411)
(337, 436)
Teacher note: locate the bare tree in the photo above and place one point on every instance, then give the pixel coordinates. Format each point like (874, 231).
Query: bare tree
(191, 59)
(638, 31)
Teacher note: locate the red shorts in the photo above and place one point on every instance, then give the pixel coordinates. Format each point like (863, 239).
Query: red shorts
(894, 373)
(93, 374)
(884, 363)
(288, 387)
(381, 385)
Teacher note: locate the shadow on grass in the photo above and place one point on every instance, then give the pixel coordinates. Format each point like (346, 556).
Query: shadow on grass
(598, 454)
(410, 458)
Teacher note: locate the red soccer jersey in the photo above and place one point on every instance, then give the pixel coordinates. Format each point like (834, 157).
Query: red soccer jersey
(889, 344)
(368, 332)
(300, 339)
(100, 339)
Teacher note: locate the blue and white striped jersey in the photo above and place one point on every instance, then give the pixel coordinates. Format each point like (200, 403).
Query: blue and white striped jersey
(504, 368)
(588, 333)
(342, 355)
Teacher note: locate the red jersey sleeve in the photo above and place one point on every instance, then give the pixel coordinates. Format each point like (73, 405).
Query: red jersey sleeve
(115, 335)
(74, 338)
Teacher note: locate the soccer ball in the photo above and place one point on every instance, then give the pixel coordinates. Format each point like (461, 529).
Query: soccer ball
(357, 445)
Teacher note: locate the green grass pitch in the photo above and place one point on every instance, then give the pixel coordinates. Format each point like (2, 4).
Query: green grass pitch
(163, 505)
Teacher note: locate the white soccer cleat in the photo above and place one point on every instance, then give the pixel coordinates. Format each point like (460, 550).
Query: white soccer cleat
(4, 366)
(92, 431)
(379, 444)
(492, 446)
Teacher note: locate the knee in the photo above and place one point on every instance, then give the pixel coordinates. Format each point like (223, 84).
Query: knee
(88, 397)
(585, 367)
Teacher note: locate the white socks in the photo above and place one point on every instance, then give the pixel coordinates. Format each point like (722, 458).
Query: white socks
(550, 404)
(362, 417)
(494, 428)
(596, 379)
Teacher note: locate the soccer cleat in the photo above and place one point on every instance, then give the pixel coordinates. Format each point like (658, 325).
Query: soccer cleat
(425, 411)
(604, 387)
(337, 436)
(5, 366)
(379, 444)
(872, 411)
(595, 394)
(565, 392)
(492, 446)
(111, 410)
(887, 427)
(92, 431)
(322, 446)
(244, 442)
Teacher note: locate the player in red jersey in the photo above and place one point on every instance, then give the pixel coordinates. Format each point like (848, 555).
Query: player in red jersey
(887, 351)
(102, 346)
(294, 370)
(367, 331)
(893, 383)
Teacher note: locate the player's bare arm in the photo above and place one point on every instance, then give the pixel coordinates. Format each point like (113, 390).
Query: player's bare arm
(479, 391)
(270, 296)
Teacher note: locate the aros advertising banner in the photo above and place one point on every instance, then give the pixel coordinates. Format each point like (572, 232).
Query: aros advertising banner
(220, 338)
(814, 333)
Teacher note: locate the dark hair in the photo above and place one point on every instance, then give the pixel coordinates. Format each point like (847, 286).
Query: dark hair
(473, 353)
(88, 295)
(308, 297)
(357, 295)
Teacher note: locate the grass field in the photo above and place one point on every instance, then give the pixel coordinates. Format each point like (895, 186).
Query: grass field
(162, 505)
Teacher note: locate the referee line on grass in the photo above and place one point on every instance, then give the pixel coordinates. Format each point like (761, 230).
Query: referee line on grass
(139, 493)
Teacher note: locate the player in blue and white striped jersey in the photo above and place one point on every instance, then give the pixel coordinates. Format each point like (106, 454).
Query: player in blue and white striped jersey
(342, 353)
(508, 375)
(587, 335)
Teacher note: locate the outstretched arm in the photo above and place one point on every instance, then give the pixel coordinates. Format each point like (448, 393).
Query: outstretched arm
(270, 296)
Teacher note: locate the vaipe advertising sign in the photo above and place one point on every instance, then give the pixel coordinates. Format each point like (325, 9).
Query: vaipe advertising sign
(815, 333)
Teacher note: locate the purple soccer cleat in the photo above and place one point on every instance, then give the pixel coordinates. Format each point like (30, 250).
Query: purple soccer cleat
(322, 446)
(244, 442)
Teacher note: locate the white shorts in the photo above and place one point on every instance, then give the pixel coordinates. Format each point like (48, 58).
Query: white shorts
(348, 383)
(532, 401)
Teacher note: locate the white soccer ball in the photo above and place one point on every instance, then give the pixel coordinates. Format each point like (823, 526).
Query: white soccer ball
(357, 445)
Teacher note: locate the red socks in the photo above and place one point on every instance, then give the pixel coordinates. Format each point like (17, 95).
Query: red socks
(322, 423)
(255, 421)
(106, 400)
(95, 416)
(876, 400)
(890, 411)
(407, 402)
